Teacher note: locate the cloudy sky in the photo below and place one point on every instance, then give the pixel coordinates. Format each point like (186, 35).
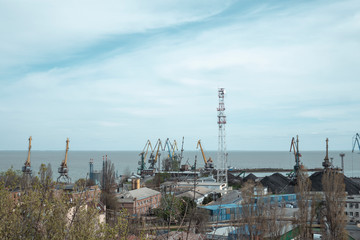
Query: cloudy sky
(111, 74)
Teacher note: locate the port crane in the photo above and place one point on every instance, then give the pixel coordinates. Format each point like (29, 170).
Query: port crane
(295, 147)
(174, 146)
(208, 162)
(26, 169)
(153, 158)
(143, 155)
(63, 169)
(169, 147)
(356, 139)
(173, 161)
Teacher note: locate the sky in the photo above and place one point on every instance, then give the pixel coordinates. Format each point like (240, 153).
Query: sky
(112, 74)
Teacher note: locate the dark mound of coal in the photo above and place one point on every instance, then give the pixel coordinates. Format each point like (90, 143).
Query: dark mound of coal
(234, 180)
(232, 177)
(351, 187)
(250, 177)
(277, 183)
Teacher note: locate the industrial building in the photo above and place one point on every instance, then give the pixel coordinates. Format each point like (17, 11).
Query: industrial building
(139, 201)
(198, 194)
(224, 212)
(352, 208)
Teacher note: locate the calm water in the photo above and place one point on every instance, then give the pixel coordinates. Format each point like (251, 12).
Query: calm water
(78, 161)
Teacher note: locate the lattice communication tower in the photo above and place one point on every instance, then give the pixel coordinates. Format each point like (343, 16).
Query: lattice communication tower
(222, 155)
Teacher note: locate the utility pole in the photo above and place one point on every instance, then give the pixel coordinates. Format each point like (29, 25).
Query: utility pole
(221, 155)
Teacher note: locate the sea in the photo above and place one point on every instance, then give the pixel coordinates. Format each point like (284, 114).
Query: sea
(127, 161)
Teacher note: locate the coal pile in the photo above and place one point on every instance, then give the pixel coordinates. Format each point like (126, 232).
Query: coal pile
(351, 187)
(234, 180)
(250, 177)
(278, 183)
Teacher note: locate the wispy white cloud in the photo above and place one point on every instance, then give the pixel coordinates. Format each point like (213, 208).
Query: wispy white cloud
(288, 69)
(37, 31)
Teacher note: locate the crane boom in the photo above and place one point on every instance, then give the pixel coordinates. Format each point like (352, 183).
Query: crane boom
(143, 155)
(28, 163)
(157, 152)
(147, 144)
(174, 146)
(202, 151)
(167, 144)
(147, 148)
(356, 139)
(292, 146)
(64, 163)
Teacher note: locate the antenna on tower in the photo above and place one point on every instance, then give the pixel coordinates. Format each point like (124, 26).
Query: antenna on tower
(222, 155)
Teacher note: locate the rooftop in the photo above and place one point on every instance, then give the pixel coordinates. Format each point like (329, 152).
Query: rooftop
(140, 193)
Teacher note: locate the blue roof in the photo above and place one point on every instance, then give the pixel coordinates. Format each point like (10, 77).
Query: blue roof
(234, 205)
(215, 207)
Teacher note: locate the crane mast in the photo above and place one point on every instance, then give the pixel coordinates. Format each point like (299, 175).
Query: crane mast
(27, 163)
(26, 169)
(326, 163)
(63, 169)
(295, 147)
(182, 151)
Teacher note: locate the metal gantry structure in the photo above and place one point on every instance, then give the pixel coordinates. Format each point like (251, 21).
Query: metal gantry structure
(222, 155)
(356, 140)
(63, 170)
(326, 163)
(295, 148)
(170, 163)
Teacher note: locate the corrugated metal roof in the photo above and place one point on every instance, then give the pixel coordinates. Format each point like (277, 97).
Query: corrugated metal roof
(143, 193)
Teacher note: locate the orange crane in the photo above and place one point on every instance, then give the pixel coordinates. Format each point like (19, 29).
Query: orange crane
(174, 146)
(27, 165)
(153, 159)
(63, 169)
(208, 163)
(143, 155)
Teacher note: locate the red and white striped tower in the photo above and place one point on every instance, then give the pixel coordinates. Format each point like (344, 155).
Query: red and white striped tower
(222, 155)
